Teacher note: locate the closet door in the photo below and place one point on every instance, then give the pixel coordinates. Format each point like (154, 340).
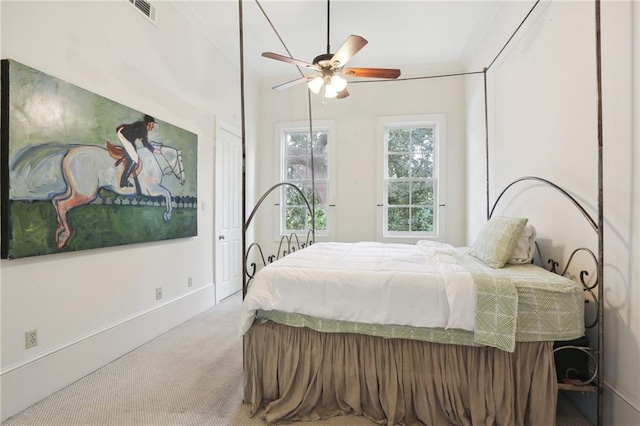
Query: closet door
(228, 236)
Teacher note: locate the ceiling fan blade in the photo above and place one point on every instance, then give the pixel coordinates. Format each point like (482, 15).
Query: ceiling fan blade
(292, 82)
(372, 72)
(289, 60)
(342, 94)
(349, 48)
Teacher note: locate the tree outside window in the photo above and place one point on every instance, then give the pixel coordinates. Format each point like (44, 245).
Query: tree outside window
(410, 183)
(296, 168)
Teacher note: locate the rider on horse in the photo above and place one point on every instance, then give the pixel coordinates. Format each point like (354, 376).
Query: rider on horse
(128, 134)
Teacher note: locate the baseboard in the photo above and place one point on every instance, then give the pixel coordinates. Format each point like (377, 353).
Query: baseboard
(33, 380)
(620, 408)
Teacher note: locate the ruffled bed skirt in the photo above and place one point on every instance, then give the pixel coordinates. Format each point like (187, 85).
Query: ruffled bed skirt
(293, 374)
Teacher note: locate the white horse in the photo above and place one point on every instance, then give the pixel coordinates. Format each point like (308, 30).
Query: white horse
(88, 168)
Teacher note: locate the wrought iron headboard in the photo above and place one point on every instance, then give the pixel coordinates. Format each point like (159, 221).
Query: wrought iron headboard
(575, 202)
(594, 353)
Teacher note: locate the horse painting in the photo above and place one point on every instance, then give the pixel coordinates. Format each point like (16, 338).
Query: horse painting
(88, 168)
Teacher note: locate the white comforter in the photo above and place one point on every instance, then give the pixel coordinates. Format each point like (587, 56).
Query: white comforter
(419, 285)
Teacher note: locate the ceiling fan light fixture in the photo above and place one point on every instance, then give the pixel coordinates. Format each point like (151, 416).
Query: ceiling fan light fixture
(315, 84)
(338, 83)
(330, 91)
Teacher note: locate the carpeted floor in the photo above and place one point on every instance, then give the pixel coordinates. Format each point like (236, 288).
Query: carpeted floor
(191, 375)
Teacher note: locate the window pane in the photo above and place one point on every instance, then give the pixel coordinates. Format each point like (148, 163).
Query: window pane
(299, 218)
(321, 218)
(398, 219)
(422, 219)
(421, 193)
(296, 218)
(320, 142)
(398, 140)
(421, 167)
(321, 168)
(293, 197)
(399, 166)
(398, 193)
(422, 139)
(297, 143)
(297, 168)
(321, 193)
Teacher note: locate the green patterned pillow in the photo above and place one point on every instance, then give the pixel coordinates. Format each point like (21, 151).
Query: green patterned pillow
(497, 240)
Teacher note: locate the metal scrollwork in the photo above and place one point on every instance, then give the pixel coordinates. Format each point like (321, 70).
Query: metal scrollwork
(288, 243)
(589, 289)
(251, 268)
(595, 356)
(584, 274)
(592, 353)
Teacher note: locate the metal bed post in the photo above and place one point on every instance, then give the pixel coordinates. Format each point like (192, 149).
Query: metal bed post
(313, 171)
(244, 149)
(600, 219)
(600, 226)
(486, 135)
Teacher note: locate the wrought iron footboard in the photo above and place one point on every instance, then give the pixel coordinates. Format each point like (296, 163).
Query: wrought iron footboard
(288, 243)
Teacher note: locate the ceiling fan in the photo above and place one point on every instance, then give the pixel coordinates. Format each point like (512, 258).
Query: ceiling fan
(330, 67)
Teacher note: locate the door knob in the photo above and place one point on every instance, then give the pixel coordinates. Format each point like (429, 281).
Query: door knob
(221, 237)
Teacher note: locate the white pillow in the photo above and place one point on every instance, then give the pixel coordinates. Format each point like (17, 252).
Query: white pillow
(525, 247)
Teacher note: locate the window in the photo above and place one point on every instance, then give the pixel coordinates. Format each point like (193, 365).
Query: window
(295, 165)
(410, 178)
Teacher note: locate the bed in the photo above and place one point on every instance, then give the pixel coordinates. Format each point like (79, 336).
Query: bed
(408, 334)
(299, 365)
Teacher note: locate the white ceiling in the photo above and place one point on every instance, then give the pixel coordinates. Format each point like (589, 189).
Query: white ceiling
(402, 34)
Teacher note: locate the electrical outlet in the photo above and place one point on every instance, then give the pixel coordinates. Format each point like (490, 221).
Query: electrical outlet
(158, 293)
(31, 339)
(190, 282)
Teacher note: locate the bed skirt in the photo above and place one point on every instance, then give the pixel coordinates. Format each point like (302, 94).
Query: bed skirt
(298, 374)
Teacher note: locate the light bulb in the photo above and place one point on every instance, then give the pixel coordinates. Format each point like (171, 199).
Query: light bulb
(338, 83)
(330, 91)
(315, 84)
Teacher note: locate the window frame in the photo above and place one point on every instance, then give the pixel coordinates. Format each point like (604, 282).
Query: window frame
(281, 129)
(439, 123)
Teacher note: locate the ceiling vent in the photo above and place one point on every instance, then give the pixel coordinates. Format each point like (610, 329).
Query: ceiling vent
(146, 8)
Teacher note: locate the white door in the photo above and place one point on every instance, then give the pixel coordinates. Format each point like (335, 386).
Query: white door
(228, 236)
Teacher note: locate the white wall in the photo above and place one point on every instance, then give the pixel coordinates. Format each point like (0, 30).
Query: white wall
(355, 145)
(91, 307)
(542, 121)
